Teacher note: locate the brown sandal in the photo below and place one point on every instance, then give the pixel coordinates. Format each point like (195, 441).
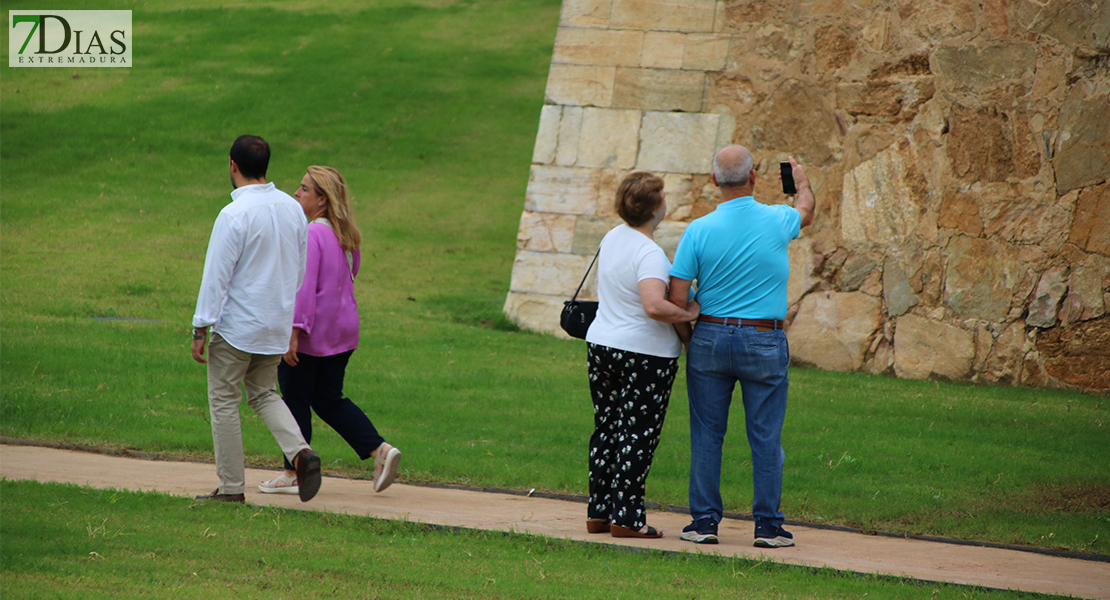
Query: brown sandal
(624, 532)
(597, 525)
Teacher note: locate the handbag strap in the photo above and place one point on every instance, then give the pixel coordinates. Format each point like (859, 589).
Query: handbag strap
(583, 282)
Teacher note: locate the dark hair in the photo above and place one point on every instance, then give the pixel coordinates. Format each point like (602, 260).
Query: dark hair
(638, 197)
(252, 154)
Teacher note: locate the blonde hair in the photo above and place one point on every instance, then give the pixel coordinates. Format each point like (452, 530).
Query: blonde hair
(329, 184)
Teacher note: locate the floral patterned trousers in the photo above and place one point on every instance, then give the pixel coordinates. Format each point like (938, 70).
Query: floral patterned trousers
(630, 393)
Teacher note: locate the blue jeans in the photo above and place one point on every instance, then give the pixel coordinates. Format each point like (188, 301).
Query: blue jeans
(718, 358)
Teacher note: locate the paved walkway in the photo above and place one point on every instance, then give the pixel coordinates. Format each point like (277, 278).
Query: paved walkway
(931, 561)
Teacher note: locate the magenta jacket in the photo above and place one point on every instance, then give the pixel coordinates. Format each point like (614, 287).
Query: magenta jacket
(326, 308)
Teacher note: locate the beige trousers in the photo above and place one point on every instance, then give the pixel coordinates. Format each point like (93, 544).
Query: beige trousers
(227, 368)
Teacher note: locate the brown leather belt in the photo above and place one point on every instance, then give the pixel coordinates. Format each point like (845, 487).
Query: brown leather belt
(760, 324)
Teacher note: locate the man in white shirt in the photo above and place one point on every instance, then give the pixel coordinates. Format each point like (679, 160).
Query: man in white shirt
(253, 268)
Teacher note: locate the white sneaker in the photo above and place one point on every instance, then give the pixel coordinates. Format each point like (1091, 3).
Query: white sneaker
(282, 484)
(385, 466)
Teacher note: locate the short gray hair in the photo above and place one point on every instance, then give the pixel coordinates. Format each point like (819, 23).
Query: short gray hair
(732, 173)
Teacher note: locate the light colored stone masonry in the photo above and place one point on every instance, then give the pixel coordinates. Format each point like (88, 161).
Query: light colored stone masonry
(626, 91)
(958, 153)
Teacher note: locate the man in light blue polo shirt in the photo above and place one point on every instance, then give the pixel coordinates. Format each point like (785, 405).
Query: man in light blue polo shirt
(738, 256)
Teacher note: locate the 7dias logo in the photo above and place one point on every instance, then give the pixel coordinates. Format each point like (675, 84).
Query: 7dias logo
(69, 38)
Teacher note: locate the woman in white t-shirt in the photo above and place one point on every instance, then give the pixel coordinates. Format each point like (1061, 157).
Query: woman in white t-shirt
(633, 351)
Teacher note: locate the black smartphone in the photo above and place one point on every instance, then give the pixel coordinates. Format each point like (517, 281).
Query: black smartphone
(787, 179)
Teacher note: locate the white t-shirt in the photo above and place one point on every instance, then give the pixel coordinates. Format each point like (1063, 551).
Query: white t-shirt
(627, 258)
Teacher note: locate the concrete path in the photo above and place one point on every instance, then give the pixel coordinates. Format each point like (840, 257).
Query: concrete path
(931, 561)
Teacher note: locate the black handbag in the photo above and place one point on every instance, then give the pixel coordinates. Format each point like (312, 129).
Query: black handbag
(578, 314)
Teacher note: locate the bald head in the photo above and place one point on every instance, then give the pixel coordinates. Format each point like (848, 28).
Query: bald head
(731, 167)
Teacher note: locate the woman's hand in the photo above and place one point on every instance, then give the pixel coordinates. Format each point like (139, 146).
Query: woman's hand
(291, 355)
(693, 308)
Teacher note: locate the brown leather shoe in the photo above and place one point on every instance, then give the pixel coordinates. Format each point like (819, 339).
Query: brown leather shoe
(216, 495)
(308, 474)
(624, 532)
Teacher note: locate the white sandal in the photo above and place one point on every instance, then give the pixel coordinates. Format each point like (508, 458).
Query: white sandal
(386, 460)
(282, 484)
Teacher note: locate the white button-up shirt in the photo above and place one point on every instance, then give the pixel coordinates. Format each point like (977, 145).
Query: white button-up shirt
(254, 266)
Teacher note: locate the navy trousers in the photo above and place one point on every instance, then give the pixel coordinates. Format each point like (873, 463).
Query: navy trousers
(316, 384)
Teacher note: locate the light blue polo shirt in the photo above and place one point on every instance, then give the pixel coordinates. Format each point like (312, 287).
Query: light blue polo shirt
(738, 256)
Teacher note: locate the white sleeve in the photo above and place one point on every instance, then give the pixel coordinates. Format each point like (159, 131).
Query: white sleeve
(224, 248)
(652, 263)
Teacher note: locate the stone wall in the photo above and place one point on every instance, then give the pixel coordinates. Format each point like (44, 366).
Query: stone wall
(959, 152)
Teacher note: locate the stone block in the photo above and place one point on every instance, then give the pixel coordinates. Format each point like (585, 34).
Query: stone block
(561, 190)
(667, 236)
(833, 330)
(589, 231)
(720, 16)
(802, 277)
(980, 146)
(678, 142)
(585, 13)
(1082, 156)
(960, 211)
(882, 359)
(548, 273)
(680, 191)
(570, 133)
(976, 68)
(938, 20)
(664, 15)
(609, 180)
(1070, 23)
(876, 34)
(608, 138)
(1046, 299)
(1004, 363)
(1078, 355)
(545, 232)
(925, 349)
(1088, 285)
(658, 89)
(663, 50)
(882, 98)
(877, 208)
(537, 312)
(833, 47)
(1041, 221)
(735, 91)
(547, 138)
(580, 85)
(798, 118)
(981, 277)
(726, 128)
(592, 46)
(705, 52)
(1091, 228)
(897, 294)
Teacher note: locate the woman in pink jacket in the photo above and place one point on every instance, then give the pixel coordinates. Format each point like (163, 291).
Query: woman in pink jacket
(325, 332)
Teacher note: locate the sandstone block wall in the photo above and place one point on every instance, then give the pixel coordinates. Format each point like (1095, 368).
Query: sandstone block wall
(959, 151)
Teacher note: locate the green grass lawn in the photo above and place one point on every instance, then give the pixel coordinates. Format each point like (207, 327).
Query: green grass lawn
(111, 181)
(61, 541)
